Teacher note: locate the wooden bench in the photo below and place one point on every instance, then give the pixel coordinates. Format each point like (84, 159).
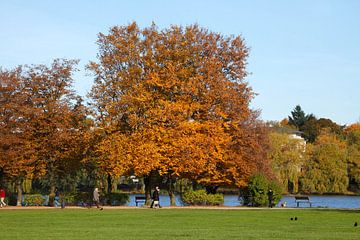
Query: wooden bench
(302, 199)
(139, 199)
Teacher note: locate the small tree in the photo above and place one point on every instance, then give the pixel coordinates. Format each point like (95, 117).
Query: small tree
(256, 192)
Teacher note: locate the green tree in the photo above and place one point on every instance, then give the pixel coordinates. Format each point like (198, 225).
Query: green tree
(313, 127)
(310, 130)
(287, 155)
(352, 134)
(256, 192)
(326, 168)
(298, 117)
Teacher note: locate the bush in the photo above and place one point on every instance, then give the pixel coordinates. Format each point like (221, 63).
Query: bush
(200, 197)
(256, 193)
(69, 199)
(116, 199)
(81, 198)
(34, 200)
(11, 199)
(85, 198)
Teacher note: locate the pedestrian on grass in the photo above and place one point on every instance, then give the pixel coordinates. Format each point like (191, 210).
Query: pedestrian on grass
(156, 198)
(96, 198)
(270, 197)
(57, 198)
(2, 197)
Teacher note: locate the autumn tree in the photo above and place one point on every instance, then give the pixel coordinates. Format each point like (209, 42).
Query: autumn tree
(352, 135)
(326, 168)
(16, 147)
(175, 101)
(57, 121)
(46, 117)
(313, 127)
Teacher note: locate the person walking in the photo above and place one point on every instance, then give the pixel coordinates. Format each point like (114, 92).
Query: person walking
(2, 197)
(96, 198)
(57, 198)
(156, 198)
(270, 197)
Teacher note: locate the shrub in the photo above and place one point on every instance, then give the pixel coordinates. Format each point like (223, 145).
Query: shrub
(69, 199)
(116, 199)
(256, 192)
(215, 199)
(34, 200)
(200, 197)
(84, 198)
(11, 199)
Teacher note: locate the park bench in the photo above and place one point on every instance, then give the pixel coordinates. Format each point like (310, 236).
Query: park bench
(139, 199)
(302, 199)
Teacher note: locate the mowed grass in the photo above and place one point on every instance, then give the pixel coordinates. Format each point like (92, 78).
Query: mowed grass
(158, 224)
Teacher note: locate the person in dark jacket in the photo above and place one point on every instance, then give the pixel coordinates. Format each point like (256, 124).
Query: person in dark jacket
(57, 198)
(156, 198)
(270, 197)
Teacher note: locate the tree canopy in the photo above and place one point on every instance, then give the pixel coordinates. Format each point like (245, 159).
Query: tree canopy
(41, 122)
(175, 101)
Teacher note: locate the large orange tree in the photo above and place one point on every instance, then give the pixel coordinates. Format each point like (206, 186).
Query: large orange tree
(16, 147)
(175, 102)
(42, 123)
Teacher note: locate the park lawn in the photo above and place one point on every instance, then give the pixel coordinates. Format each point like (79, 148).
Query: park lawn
(158, 224)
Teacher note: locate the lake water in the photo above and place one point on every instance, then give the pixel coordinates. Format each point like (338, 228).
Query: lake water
(317, 201)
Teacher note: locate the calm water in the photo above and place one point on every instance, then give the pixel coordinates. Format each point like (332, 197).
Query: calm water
(317, 201)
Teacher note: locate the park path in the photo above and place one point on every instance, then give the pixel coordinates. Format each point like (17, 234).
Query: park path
(145, 207)
(131, 207)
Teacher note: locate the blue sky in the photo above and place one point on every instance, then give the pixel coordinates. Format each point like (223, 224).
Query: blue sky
(302, 52)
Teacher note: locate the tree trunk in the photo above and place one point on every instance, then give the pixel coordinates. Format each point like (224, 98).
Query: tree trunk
(2, 176)
(19, 192)
(171, 191)
(211, 189)
(109, 183)
(296, 185)
(147, 183)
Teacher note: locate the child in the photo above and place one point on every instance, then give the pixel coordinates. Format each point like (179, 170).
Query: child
(2, 198)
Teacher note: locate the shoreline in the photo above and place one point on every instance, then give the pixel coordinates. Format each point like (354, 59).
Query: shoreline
(173, 207)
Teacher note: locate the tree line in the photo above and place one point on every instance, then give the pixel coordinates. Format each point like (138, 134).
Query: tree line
(326, 159)
(165, 105)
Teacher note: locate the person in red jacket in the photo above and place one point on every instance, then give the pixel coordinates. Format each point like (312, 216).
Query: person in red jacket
(2, 198)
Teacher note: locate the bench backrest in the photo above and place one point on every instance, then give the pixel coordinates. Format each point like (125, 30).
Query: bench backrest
(140, 198)
(306, 198)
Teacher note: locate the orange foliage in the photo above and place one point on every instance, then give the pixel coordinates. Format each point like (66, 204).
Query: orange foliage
(355, 127)
(41, 121)
(176, 101)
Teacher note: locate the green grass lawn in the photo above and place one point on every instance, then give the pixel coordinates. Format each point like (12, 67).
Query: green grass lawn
(157, 224)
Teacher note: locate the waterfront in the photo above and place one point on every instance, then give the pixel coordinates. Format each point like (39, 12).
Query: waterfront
(324, 201)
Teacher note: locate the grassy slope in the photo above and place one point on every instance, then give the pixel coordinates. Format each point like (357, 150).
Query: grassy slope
(178, 224)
